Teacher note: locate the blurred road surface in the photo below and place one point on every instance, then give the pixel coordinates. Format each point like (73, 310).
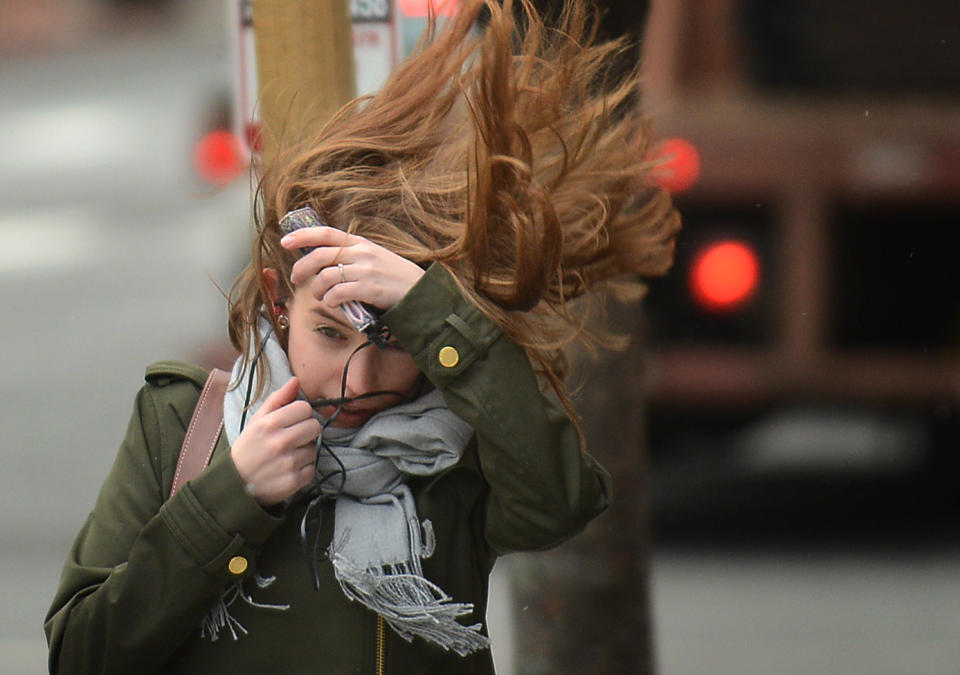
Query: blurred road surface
(809, 613)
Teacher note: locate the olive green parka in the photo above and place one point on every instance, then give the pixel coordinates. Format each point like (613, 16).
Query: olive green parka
(144, 569)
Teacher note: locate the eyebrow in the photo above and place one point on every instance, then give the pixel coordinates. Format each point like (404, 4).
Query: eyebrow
(320, 311)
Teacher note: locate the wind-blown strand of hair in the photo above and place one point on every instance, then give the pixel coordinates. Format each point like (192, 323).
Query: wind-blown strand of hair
(514, 156)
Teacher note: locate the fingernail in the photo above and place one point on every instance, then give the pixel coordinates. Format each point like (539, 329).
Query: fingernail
(285, 238)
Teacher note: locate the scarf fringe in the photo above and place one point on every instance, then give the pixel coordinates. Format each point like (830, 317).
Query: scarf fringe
(411, 604)
(429, 541)
(220, 618)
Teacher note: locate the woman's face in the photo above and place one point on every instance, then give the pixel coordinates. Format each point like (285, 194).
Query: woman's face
(319, 341)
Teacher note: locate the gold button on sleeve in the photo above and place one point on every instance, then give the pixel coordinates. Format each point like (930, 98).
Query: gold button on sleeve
(237, 565)
(449, 357)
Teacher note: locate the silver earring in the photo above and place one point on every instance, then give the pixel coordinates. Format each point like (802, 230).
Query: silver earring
(283, 321)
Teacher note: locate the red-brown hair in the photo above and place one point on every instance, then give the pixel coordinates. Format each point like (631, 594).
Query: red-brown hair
(514, 156)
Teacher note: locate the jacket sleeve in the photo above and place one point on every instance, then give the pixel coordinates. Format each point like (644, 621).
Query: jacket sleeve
(144, 570)
(543, 488)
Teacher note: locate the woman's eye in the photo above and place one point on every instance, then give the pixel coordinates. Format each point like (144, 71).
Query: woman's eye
(327, 331)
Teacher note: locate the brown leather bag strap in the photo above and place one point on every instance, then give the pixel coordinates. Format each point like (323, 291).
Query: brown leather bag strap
(204, 430)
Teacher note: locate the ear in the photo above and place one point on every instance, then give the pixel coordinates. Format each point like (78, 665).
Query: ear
(271, 282)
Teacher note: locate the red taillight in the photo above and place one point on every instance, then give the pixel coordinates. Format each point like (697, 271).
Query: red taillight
(219, 157)
(724, 275)
(678, 164)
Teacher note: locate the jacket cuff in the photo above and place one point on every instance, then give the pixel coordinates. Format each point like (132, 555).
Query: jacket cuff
(215, 518)
(439, 327)
(222, 492)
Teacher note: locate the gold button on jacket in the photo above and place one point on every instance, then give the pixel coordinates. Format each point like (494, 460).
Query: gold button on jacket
(449, 357)
(237, 565)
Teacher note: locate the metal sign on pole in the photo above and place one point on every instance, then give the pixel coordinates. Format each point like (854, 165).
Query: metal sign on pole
(246, 123)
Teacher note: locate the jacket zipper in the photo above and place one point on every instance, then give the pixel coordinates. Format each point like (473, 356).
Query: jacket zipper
(381, 646)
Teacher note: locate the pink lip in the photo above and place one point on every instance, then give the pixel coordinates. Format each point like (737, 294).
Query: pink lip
(349, 417)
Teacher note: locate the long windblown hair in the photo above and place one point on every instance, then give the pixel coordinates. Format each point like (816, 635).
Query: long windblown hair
(515, 156)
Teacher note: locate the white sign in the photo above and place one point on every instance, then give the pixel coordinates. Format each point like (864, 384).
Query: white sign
(374, 47)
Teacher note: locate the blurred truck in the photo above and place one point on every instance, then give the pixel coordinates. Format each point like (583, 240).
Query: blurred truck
(828, 328)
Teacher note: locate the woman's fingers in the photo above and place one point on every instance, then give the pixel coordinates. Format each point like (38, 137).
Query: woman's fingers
(304, 433)
(271, 454)
(330, 247)
(345, 267)
(290, 414)
(323, 258)
(280, 398)
(305, 474)
(364, 291)
(306, 453)
(326, 279)
(308, 237)
(376, 276)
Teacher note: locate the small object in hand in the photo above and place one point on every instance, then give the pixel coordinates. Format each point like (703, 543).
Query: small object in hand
(363, 317)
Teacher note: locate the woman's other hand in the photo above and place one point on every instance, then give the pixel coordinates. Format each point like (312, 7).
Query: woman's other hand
(275, 452)
(346, 267)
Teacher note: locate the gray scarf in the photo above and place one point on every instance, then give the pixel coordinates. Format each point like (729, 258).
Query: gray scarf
(378, 539)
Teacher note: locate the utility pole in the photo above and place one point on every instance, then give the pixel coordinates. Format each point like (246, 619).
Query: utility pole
(305, 66)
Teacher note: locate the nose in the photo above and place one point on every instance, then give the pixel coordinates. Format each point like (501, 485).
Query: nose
(363, 372)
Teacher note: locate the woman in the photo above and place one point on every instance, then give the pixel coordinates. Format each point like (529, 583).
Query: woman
(365, 483)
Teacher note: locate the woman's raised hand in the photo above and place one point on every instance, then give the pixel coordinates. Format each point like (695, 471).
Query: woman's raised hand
(347, 267)
(275, 452)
